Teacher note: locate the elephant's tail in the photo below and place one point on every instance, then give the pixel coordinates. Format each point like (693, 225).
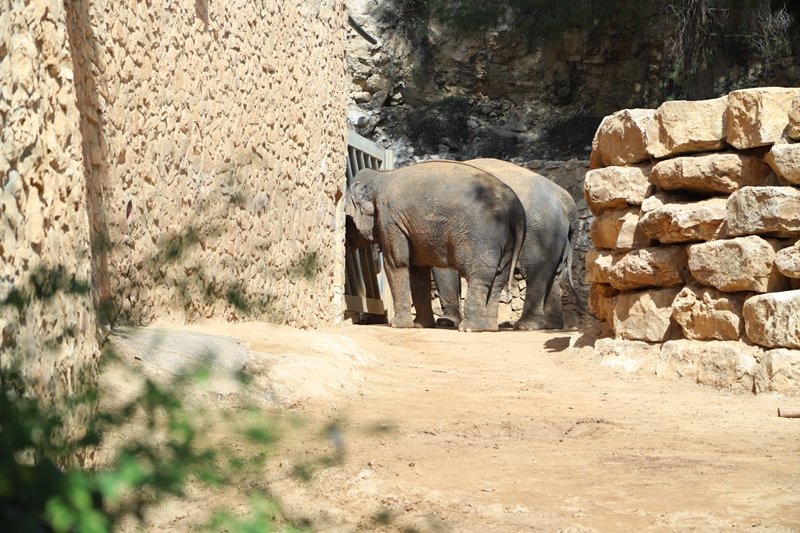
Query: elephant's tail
(519, 228)
(566, 262)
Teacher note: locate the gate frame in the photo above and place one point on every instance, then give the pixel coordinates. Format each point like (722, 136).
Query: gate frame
(366, 287)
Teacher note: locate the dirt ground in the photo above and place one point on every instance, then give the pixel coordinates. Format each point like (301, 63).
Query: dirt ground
(438, 430)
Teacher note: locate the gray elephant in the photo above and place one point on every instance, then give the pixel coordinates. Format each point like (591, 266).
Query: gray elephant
(440, 214)
(547, 252)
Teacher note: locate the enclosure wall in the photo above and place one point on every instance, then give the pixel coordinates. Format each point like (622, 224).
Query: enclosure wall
(214, 135)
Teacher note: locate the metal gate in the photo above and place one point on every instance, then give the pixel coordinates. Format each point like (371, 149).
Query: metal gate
(366, 289)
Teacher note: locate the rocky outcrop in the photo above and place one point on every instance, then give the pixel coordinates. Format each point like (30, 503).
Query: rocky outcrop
(708, 255)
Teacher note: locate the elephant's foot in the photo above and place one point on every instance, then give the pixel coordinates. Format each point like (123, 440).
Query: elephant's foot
(448, 322)
(470, 326)
(402, 322)
(424, 323)
(530, 324)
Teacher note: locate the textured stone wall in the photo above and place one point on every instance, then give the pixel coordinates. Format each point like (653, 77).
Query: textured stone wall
(215, 139)
(696, 228)
(47, 315)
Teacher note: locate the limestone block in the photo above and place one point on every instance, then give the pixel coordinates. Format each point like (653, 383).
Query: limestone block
(773, 320)
(785, 161)
(782, 367)
(787, 261)
(618, 229)
(723, 365)
(764, 210)
(698, 221)
(598, 265)
(624, 138)
(740, 264)
(704, 313)
(793, 131)
(628, 356)
(601, 301)
(661, 198)
(645, 315)
(616, 187)
(711, 173)
(690, 126)
(649, 267)
(758, 117)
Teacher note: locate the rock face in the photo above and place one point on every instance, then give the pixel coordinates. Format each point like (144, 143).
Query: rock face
(645, 315)
(782, 367)
(618, 229)
(690, 126)
(758, 117)
(710, 173)
(793, 129)
(787, 261)
(773, 320)
(740, 264)
(785, 161)
(616, 187)
(624, 138)
(726, 180)
(707, 314)
(764, 210)
(718, 364)
(645, 267)
(697, 221)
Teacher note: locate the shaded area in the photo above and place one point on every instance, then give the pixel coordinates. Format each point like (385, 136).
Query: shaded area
(85, 61)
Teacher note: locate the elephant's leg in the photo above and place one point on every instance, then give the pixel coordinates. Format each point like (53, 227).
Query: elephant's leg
(540, 263)
(553, 307)
(483, 300)
(532, 316)
(396, 263)
(421, 296)
(448, 285)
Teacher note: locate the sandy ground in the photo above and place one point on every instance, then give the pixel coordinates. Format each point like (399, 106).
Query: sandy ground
(438, 430)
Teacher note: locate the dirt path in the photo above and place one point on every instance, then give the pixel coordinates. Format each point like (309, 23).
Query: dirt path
(512, 431)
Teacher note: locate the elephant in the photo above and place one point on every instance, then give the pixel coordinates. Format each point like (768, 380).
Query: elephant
(552, 218)
(440, 214)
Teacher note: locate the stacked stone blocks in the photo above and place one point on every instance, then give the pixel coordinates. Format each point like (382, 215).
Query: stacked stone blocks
(695, 235)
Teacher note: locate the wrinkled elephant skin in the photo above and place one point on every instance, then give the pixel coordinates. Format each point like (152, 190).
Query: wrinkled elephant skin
(551, 220)
(440, 214)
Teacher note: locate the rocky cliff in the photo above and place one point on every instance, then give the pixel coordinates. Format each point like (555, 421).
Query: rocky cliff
(427, 89)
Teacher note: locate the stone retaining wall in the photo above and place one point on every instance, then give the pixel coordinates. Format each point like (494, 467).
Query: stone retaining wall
(697, 220)
(47, 317)
(165, 161)
(216, 137)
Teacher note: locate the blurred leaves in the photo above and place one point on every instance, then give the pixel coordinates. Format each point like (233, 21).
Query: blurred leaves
(162, 450)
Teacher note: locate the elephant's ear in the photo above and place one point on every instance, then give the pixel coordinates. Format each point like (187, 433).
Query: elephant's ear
(359, 201)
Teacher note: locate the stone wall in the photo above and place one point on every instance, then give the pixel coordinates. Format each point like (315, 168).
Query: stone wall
(697, 220)
(214, 134)
(165, 161)
(47, 318)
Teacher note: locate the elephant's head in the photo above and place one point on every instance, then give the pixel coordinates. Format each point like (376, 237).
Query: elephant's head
(360, 205)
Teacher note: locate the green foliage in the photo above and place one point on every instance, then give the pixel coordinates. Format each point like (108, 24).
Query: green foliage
(161, 454)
